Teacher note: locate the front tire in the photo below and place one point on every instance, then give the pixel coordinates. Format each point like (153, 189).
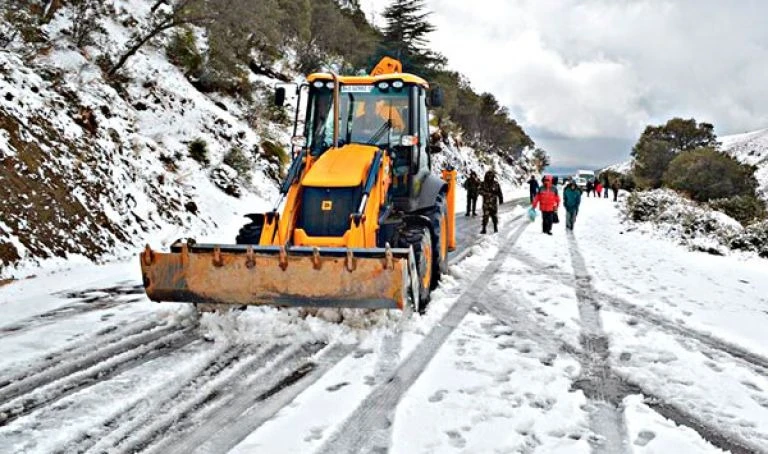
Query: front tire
(250, 233)
(420, 239)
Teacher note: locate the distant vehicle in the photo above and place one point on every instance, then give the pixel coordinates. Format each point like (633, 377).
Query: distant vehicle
(588, 175)
(581, 182)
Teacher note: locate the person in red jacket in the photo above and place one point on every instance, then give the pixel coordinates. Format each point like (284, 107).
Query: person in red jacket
(598, 189)
(548, 201)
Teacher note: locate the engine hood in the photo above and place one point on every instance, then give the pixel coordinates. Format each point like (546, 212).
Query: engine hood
(346, 166)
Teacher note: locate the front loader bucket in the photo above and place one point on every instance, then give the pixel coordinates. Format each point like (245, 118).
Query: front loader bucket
(272, 275)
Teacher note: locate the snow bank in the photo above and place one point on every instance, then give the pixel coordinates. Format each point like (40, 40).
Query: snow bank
(700, 228)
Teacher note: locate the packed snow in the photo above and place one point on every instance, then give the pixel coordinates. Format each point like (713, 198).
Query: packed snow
(683, 369)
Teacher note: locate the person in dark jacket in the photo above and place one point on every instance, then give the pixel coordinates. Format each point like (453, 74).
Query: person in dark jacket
(472, 185)
(615, 189)
(571, 201)
(491, 192)
(606, 186)
(590, 187)
(548, 201)
(534, 186)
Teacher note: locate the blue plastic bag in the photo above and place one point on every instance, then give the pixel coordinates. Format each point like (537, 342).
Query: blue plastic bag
(532, 214)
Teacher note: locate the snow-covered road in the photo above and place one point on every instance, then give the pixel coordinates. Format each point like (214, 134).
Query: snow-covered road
(605, 341)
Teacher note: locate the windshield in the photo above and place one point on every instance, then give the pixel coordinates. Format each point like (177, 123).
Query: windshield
(367, 115)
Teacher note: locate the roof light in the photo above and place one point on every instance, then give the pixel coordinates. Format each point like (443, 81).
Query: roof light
(397, 84)
(318, 84)
(383, 85)
(329, 85)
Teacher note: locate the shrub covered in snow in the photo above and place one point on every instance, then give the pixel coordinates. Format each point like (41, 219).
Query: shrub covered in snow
(753, 238)
(674, 216)
(239, 161)
(746, 209)
(198, 150)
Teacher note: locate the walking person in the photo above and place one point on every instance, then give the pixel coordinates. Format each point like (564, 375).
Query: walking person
(615, 189)
(534, 187)
(472, 186)
(548, 202)
(571, 201)
(491, 192)
(590, 187)
(598, 189)
(606, 186)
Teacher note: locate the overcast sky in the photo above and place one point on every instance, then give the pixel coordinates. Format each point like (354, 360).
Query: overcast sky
(584, 77)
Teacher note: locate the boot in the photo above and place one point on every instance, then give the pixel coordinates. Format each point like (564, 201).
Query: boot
(483, 231)
(495, 228)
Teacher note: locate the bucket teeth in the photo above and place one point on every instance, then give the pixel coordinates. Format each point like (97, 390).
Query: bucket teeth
(389, 263)
(283, 258)
(218, 261)
(349, 261)
(148, 256)
(316, 263)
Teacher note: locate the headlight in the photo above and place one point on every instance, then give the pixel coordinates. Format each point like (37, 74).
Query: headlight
(318, 84)
(329, 85)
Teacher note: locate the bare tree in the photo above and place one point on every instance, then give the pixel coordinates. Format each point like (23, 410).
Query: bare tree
(177, 13)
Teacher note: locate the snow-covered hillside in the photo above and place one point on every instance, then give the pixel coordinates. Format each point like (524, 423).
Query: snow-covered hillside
(95, 169)
(751, 148)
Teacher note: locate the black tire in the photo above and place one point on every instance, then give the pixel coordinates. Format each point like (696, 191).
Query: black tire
(420, 239)
(250, 233)
(439, 224)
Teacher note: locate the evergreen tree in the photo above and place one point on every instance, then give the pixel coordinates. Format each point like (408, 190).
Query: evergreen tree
(405, 37)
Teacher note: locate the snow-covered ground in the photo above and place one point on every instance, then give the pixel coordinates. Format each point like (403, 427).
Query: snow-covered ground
(604, 340)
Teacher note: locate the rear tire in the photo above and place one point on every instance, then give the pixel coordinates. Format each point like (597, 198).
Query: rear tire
(420, 239)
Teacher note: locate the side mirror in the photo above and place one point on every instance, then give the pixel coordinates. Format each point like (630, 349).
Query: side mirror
(279, 96)
(436, 97)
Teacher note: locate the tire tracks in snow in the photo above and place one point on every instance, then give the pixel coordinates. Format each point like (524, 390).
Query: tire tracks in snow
(600, 384)
(97, 358)
(255, 402)
(753, 361)
(368, 428)
(214, 385)
(608, 388)
(86, 365)
(89, 300)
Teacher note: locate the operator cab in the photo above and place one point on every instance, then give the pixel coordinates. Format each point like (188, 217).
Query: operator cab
(387, 111)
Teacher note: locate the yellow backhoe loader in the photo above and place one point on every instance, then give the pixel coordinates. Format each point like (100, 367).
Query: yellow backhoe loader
(363, 221)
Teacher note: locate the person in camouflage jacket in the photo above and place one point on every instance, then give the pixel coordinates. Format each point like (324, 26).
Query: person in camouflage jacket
(472, 185)
(491, 192)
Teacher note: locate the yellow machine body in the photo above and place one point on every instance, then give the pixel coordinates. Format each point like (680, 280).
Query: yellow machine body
(288, 265)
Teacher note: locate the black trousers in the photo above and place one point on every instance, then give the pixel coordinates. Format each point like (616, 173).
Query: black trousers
(547, 219)
(471, 204)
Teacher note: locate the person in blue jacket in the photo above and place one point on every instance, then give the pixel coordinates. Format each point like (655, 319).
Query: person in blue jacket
(571, 201)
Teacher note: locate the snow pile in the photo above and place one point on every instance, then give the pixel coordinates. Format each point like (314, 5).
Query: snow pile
(94, 168)
(751, 148)
(674, 216)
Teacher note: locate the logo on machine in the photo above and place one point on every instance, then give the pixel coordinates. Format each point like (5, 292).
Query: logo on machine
(327, 205)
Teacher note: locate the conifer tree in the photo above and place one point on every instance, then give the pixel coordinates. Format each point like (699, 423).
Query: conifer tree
(405, 37)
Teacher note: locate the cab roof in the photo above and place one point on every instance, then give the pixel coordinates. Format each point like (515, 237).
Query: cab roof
(368, 80)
